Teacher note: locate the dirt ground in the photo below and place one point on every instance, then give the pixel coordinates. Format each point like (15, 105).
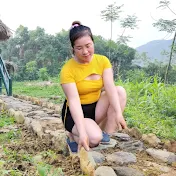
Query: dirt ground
(20, 155)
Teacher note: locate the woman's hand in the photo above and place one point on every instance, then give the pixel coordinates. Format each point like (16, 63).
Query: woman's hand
(121, 122)
(83, 142)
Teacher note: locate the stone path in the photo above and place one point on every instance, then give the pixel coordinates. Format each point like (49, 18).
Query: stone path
(126, 155)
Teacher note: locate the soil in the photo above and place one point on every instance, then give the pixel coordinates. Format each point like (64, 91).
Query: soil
(17, 154)
(30, 145)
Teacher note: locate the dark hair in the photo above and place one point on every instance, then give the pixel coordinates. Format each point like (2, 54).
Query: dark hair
(77, 31)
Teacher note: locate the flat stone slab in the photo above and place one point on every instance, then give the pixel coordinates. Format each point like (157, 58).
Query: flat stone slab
(121, 158)
(112, 144)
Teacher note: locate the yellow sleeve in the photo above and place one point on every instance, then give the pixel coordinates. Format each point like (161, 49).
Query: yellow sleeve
(107, 63)
(66, 76)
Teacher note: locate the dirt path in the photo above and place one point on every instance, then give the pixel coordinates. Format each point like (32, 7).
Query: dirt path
(40, 146)
(28, 152)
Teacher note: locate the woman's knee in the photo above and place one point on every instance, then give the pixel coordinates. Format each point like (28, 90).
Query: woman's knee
(95, 139)
(121, 92)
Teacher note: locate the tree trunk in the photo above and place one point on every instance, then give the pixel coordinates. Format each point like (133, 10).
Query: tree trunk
(170, 59)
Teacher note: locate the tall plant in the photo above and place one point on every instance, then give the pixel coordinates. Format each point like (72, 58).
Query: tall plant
(111, 13)
(170, 27)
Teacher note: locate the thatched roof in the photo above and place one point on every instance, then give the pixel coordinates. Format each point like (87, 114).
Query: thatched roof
(5, 32)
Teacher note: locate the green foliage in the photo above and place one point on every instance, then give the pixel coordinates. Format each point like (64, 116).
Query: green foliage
(38, 89)
(5, 120)
(111, 13)
(31, 70)
(32, 50)
(46, 169)
(43, 74)
(151, 106)
(168, 26)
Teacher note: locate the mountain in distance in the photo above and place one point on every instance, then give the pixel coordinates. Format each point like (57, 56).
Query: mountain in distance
(154, 48)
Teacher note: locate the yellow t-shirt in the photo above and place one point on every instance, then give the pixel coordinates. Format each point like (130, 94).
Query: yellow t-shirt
(74, 72)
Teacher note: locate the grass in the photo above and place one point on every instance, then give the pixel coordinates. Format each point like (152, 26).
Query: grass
(6, 121)
(151, 105)
(35, 89)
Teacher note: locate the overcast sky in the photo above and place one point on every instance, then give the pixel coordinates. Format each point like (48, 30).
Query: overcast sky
(55, 15)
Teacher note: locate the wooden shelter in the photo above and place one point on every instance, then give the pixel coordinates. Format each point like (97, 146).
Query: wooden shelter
(5, 32)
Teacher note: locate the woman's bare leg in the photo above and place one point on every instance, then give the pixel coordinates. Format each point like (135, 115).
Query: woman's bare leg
(105, 114)
(93, 131)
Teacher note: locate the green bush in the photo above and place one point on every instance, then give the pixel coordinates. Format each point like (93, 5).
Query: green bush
(151, 106)
(43, 74)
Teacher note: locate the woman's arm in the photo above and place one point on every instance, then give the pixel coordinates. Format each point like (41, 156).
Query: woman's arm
(112, 94)
(72, 95)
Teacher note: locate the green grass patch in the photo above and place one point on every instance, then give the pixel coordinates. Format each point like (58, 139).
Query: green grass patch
(11, 135)
(151, 107)
(39, 89)
(5, 120)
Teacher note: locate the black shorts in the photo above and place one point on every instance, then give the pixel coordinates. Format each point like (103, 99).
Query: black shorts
(88, 111)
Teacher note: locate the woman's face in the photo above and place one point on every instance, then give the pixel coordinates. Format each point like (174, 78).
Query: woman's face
(83, 49)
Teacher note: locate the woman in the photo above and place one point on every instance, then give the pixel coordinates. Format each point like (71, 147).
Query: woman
(87, 109)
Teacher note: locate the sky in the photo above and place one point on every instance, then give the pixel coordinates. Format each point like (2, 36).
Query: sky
(55, 15)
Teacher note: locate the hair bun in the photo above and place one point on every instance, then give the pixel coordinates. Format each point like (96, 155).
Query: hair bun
(76, 23)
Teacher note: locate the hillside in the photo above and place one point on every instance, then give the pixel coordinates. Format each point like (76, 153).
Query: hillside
(154, 49)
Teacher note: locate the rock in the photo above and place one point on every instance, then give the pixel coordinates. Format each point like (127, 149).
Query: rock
(97, 156)
(56, 115)
(51, 123)
(59, 141)
(27, 122)
(162, 155)
(170, 146)
(19, 116)
(50, 112)
(37, 128)
(39, 113)
(44, 104)
(127, 171)
(151, 139)
(121, 158)
(134, 132)
(11, 112)
(131, 146)
(57, 109)
(4, 106)
(112, 144)
(104, 171)
(50, 106)
(121, 136)
(26, 98)
(157, 166)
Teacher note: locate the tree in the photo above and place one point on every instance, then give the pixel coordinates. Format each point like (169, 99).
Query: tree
(111, 13)
(130, 22)
(31, 70)
(170, 27)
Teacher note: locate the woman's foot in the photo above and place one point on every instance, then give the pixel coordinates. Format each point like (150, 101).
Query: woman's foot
(106, 138)
(72, 145)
